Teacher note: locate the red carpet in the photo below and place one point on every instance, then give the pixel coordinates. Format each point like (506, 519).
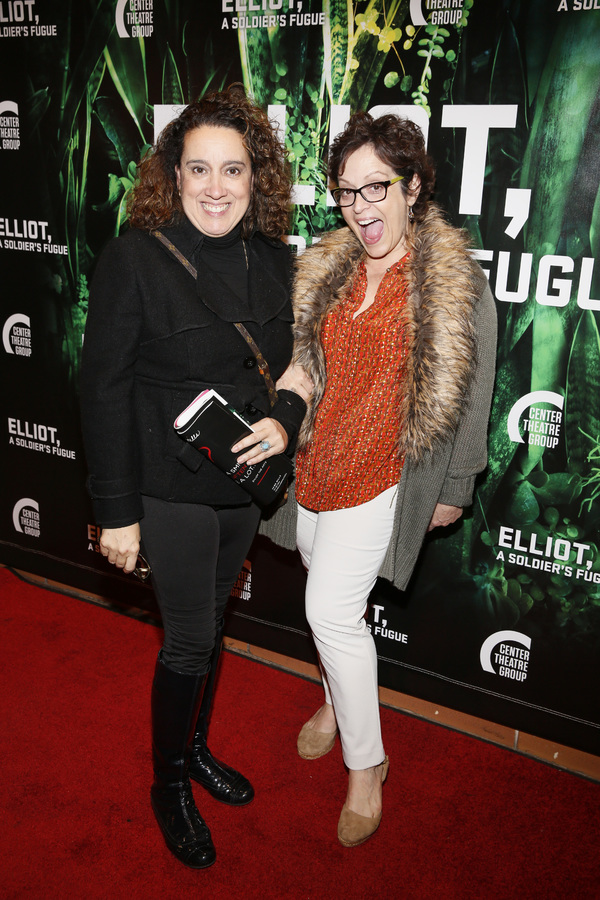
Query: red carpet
(462, 819)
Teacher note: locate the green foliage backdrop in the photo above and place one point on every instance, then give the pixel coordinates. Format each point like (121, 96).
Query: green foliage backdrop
(86, 101)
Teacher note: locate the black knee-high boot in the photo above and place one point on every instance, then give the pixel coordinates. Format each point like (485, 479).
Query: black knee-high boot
(175, 701)
(223, 782)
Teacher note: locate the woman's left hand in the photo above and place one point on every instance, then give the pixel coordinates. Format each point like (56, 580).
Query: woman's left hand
(444, 515)
(295, 379)
(265, 430)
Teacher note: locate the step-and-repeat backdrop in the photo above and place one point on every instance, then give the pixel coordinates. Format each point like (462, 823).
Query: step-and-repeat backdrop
(502, 618)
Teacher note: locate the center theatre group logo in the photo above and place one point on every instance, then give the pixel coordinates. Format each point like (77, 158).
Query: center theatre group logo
(440, 12)
(26, 517)
(542, 426)
(16, 335)
(243, 586)
(506, 653)
(134, 18)
(10, 137)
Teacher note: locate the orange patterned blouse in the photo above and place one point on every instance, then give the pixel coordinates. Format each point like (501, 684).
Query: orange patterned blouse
(353, 455)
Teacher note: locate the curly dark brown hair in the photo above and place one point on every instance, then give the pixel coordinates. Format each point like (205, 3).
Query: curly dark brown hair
(155, 200)
(398, 142)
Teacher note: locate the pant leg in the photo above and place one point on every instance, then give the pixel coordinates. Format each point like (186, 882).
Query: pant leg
(347, 550)
(182, 542)
(237, 528)
(307, 525)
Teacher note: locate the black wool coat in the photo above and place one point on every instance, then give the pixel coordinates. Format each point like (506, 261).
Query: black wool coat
(154, 339)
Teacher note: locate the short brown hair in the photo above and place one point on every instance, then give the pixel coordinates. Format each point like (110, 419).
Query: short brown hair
(398, 142)
(155, 199)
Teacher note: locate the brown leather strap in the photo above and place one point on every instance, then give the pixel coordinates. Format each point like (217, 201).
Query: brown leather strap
(263, 366)
(176, 253)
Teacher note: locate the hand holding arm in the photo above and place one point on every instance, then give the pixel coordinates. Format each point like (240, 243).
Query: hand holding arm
(295, 379)
(444, 515)
(121, 546)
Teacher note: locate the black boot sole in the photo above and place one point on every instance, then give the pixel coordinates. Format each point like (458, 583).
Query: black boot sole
(179, 852)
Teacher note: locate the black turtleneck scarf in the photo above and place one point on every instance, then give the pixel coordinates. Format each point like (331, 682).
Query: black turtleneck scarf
(226, 258)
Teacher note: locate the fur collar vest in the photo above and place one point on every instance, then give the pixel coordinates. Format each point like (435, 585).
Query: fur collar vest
(444, 284)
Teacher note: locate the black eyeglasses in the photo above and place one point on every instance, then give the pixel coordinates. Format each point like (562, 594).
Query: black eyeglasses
(372, 193)
(142, 568)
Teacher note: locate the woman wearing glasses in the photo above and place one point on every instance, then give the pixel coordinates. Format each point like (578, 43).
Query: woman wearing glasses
(396, 327)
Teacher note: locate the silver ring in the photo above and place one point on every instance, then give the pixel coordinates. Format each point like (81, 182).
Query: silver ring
(264, 446)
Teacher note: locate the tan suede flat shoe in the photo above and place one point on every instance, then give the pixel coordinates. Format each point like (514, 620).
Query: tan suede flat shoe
(314, 744)
(354, 829)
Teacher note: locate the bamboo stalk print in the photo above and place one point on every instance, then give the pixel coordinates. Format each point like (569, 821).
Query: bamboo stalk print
(367, 60)
(565, 98)
(128, 74)
(582, 406)
(172, 91)
(338, 38)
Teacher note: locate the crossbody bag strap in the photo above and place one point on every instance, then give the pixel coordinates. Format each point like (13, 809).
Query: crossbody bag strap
(176, 253)
(263, 366)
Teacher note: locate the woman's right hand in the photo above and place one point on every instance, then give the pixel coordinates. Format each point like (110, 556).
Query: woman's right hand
(121, 546)
(295, 379)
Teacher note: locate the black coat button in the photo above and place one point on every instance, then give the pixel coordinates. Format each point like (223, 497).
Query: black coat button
(249, 362)
(250, 410)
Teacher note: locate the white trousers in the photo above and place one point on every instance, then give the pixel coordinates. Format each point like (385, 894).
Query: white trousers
(343, 551)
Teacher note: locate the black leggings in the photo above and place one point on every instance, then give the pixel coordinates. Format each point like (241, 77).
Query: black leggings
(196, 553)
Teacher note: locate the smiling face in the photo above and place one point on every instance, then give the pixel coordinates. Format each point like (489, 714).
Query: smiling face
(380, 227)
(214, 179)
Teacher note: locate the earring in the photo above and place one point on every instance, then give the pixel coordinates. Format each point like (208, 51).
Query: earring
(411, 215)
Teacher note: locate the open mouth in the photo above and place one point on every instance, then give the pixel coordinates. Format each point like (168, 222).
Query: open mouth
(371, 230)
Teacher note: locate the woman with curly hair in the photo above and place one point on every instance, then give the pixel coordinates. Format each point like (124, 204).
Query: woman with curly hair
(396, 328)
(212, 197)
